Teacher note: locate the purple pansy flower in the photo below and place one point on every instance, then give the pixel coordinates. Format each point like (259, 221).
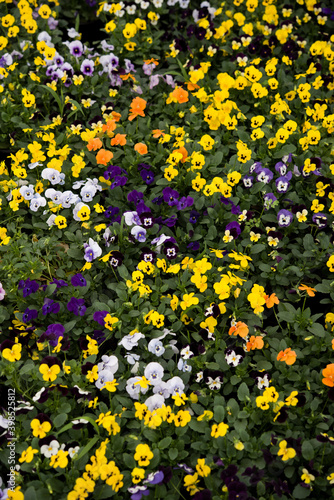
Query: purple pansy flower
(147, 176)
(284, 218)
(282, 183)
(50, 307)
(135, 196)
(28, 286)
(29, 314)
(170, 196)
(76, 306)
(53, 333)
(87, 67)
(78, 280)
(99, 317)
(248, 181)
(76, 48)
(265, 175)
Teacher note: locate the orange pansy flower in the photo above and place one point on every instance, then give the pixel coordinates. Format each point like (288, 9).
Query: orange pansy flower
(180, 95)
(271, 300)
(103, 157)
(239, 329)
(126, 77)
(255, 343)
(288, 356)
(158, 133)
(137, 108)
(192, 86)
(310, 291)
(141, 148)
(183, 152)
(149, 61)
(118, 140)
(94, 144)
(328, 374)
(109, 127)
(116, 116)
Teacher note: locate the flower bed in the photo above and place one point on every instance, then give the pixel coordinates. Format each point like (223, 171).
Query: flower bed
(166, 250)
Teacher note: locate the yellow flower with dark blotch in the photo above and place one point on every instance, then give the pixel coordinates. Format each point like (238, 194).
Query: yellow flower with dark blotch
(143, 455)
(59, 460)
(182, 418)
(27, 455)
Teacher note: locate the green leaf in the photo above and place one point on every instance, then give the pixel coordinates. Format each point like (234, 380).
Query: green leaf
(257, 248)
(129, 460)
(30, 494)
(59, 420)
(307, 450)
(165, 442)
(300, 492)
(173, 453)
(86, 449)
(219, 413)
(55, 95)
(243, 392)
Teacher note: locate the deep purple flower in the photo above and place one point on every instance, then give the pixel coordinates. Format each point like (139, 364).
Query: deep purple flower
(170, 250)
(170, 221)
(146, 219)
(148, 255)
(269, 199)
(76, 306)
(78, 280)
(135, 196)
(53, 333)
(59, 283)
(147, 176)
(320, 220)
(116, 258)
(184, 202)
(284, 218)
(28, 286)
(99, 317)
(193, 216)
(111, 211)
(119, 180)
(50, 307)
(203, 495)
(193, 245)
(235, 209)
(158, 200)
(29, 314)
(141, 207)
(170, 196)
(234, 228)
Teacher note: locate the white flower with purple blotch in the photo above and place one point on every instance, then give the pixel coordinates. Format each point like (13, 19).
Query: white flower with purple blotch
(73, 451)
(131, 218)
(139, 233)
(105, 376)
(265, 176)
(132, 358)
(183, 366)
(87, 67)
(27, 192)
(162, 389)
(44, 36)
(284, 218)
(156, 347)
(68, 198)
(175, 386)
(76, 48)
(131, 341)
(88, 192)
(186, 353)
(154, 372)
(108, 363)
(154, 402)
(92, 250)
(232, 358)
(54, 195)
(133, 387)
(52, 175)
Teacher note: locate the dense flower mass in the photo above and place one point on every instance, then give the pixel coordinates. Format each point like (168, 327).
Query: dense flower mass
(166, 249)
